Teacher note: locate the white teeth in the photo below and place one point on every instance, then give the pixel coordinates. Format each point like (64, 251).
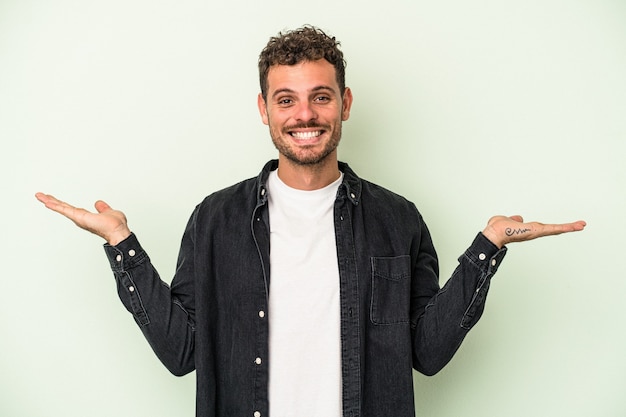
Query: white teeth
(306, 135)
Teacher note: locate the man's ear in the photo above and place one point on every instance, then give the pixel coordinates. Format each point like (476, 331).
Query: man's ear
(262, 109)
(347, 104)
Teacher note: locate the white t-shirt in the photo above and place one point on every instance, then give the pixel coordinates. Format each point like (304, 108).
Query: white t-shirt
(304, 310)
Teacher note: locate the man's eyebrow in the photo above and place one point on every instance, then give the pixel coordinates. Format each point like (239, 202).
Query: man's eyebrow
(314, 90)
(281, 91)
(323, 88)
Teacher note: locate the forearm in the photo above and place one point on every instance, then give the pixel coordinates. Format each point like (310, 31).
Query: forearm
(455, 309)
(166, 323)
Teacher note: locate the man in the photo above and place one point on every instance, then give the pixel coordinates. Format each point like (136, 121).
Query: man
(306, 290)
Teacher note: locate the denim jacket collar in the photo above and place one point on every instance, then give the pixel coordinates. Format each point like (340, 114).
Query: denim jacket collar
(350, 187)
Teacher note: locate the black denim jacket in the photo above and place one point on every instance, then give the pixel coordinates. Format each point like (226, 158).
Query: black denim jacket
(394, 316)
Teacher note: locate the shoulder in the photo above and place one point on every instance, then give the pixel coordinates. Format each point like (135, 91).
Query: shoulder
(376, 195)
(241, 193)
(378, 191)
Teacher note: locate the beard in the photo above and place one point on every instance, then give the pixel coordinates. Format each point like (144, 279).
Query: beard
(306, 155)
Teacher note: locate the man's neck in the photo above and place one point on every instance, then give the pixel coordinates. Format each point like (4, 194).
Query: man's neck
(308, 177)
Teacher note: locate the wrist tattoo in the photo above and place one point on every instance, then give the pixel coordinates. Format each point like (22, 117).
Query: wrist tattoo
(511, 232)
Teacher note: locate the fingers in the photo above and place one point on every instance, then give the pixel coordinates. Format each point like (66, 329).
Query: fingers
(570, 227)
(533, 230)
(502, 230)
(77, 215)
(54, 204)
(66, 209)
(101, 206)
(107, 223)
(516, 218)
(45, 198)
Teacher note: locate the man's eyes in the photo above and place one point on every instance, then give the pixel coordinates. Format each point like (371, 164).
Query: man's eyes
(289, 101)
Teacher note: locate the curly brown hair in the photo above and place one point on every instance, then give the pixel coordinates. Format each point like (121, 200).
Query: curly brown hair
(307, 43)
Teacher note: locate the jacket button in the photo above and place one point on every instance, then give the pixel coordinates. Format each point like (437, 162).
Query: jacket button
(257, 414)
(261, 313)
(257, 361)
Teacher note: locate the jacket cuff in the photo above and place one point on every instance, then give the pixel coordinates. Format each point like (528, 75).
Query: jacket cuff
(484, 254)
(126, 254)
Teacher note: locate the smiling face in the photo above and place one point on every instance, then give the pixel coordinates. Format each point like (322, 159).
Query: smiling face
(304, 111)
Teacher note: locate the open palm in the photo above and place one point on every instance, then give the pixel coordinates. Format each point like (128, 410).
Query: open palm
(107, 223)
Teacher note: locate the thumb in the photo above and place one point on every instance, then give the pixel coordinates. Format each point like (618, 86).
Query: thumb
(101, 206)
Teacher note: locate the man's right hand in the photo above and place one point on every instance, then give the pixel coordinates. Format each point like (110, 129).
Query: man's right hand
(107, 223)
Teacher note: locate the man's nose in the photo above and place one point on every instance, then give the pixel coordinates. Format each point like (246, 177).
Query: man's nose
(305, 111)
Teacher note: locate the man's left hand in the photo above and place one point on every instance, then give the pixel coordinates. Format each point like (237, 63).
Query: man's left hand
(502, 230)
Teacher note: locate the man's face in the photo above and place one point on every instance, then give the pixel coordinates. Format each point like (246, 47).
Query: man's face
(304, 111)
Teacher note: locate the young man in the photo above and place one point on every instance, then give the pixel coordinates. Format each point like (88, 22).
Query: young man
(306, 290)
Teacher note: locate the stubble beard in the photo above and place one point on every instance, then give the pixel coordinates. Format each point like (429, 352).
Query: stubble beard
(306, 157)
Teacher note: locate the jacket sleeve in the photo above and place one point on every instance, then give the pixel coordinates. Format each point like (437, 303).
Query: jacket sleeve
(165, 315)
(440, 318)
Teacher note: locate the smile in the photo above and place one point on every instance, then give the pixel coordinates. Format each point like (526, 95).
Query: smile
(306, 135)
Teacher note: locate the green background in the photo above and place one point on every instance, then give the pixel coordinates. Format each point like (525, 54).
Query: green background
(469, 109)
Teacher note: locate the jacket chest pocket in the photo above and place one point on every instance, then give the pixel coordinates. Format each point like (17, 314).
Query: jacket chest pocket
(391, 289)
